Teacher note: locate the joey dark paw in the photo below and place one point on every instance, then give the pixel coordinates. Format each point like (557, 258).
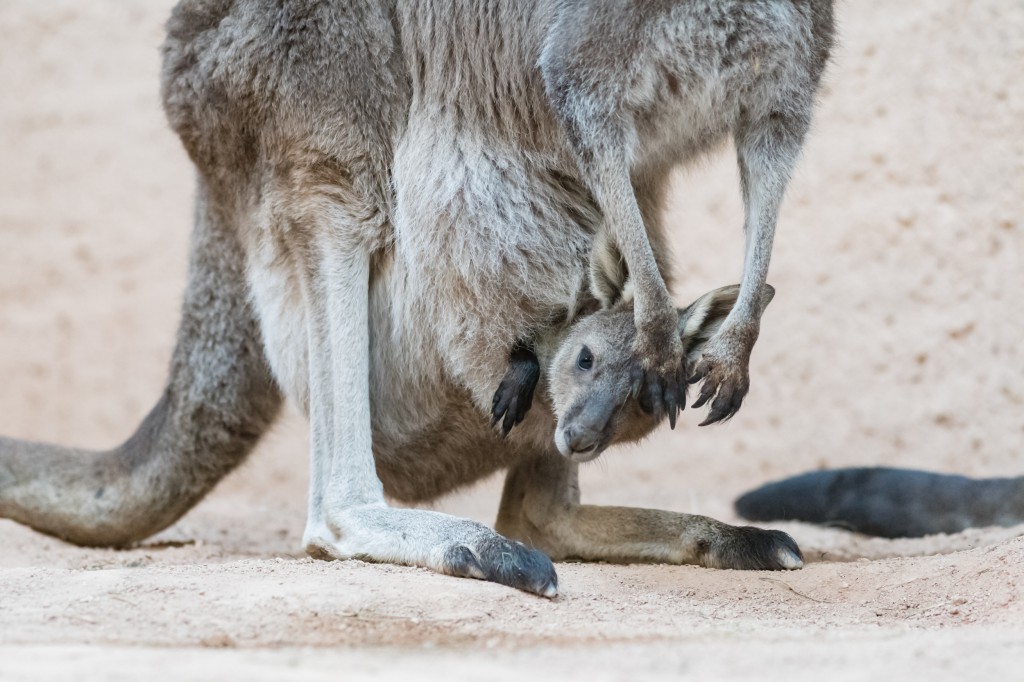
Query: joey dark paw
(514, 396)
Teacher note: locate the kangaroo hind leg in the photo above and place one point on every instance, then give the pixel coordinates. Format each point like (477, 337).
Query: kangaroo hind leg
(541, 503)
(348, 515)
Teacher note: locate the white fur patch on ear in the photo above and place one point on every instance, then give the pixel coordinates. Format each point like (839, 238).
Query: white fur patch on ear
(767, 294)
(609, 278)
(695, 320)
(702, 319)
(628, 290)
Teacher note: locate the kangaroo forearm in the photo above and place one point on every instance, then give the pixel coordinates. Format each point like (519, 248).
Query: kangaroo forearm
(625, 222)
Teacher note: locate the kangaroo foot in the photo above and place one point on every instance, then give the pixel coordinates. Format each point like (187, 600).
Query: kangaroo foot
(442, 543)
(724, 369)
(514, 396)
(503, 561)
(747, 548)
(659, 373)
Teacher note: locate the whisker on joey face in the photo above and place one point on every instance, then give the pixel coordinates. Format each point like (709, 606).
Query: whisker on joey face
(599, 462)
(633, 392)
(622, 405)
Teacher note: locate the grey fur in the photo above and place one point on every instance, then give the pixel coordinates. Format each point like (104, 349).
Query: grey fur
(410, 187)
(887, 502)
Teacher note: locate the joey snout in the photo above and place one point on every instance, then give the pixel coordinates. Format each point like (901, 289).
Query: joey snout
(587, 428)
(582, 440)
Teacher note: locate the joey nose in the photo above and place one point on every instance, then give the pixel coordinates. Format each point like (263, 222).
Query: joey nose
(581, 439)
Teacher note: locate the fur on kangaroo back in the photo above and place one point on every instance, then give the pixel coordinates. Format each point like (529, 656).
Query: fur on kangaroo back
(391, 194)
(887, 502)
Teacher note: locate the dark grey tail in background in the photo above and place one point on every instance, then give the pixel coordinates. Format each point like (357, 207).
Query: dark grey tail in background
(888, 503)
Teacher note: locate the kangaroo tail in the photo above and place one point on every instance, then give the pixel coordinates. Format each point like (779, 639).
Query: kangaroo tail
(888, 502)
(218, 401)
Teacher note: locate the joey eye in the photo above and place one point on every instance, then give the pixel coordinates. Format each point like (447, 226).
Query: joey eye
(585, 360)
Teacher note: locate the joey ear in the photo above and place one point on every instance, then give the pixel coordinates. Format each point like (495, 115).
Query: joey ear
(699, 321)
(767, 294)
(609, 276)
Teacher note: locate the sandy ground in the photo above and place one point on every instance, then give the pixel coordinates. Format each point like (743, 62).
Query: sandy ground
(894, 339)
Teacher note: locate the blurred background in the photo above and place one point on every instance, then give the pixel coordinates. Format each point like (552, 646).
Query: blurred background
(894, 338)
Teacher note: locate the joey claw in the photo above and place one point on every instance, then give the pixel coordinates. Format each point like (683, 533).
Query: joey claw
(514, 396)
(500, 404)
(512, 417)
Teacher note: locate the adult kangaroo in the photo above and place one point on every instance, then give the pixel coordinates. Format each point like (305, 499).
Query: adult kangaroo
(390, 196)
